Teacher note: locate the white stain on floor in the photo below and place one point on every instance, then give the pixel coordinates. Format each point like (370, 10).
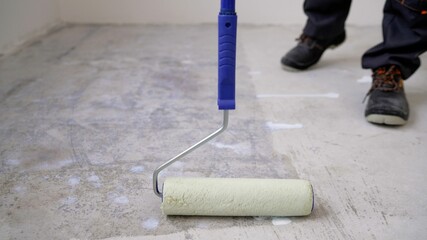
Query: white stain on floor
(20, 189)
(74, 181)
(12, 162)
(137, 169)
(187, 62)
(93, 178)
(320, 95)
(281, 126)
(203, 224)
(279, 221)
(150, 224)
(121, 200)
(95, 181)
(240, 148)
(365, 79)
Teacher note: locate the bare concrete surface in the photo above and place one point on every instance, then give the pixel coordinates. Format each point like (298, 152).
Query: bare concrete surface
(88, 112)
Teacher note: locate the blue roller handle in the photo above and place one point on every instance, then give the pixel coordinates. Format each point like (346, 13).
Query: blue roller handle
(227, 32)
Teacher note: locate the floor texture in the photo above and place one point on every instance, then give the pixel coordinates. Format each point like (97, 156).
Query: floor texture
(89, 111)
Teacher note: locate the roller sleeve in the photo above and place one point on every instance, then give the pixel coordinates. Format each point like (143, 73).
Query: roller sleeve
(237, 197)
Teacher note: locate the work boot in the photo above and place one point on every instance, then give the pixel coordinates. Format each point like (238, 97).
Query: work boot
(387, 102)
(308, 51)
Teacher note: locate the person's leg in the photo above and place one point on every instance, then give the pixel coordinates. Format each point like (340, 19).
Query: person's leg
(326, 18)
(404, 38)
(395, 59)
(324, 29)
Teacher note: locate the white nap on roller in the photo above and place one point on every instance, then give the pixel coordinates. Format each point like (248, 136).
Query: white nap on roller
(237, 197)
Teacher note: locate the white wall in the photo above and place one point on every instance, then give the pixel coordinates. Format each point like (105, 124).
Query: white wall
(21, 20)
(364, 12)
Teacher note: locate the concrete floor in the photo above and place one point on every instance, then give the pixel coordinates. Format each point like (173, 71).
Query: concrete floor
(88, 112)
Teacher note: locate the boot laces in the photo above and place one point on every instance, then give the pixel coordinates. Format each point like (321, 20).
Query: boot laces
(303, 38)
(386, 79)
(311, 42)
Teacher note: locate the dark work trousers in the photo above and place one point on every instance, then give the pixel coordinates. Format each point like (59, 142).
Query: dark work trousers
(326, 18)
(404, 31)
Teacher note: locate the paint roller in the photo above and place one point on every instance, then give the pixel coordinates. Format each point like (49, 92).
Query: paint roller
(230, 196)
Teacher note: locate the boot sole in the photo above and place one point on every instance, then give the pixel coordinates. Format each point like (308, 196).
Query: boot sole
(291, 69)
(386, 119)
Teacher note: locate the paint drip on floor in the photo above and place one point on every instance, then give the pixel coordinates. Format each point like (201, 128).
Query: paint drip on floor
(276, 221)
(137, 169)
(365, 79)
(240, 148)
(121, 200)
(320, 95)
(279, 221)
(20, 189)
(281, 126)
(74, 181)
(150, 224)
(187, 62)
(12, 162)
(203, 224)
(95, 181)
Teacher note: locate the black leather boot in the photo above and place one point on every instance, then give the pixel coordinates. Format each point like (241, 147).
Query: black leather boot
(387, 102)
(308, 51)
